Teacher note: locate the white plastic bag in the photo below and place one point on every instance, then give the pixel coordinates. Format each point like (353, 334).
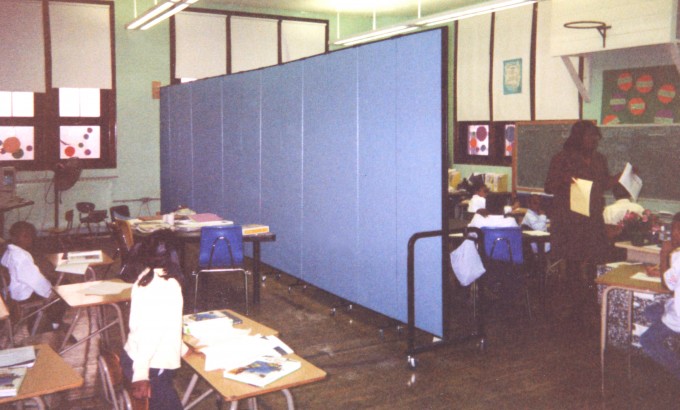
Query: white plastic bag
(466, 263)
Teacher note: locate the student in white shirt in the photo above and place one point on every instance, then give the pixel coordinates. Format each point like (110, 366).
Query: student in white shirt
(536, 220)
(614, 213)
(154, 345)
(26, 280)
(665, 319)
(478, 200)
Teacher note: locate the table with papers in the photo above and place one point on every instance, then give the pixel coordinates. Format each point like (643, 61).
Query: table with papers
(78, 265)
(234, 391)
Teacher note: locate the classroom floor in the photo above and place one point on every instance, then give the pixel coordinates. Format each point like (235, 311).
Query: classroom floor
(548, 362)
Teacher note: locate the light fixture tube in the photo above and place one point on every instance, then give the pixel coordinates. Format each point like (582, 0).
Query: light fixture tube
(471, 11)
(374, 35)
(158, 13)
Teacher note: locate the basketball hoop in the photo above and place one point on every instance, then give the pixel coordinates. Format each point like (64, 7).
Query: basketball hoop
(600, 26)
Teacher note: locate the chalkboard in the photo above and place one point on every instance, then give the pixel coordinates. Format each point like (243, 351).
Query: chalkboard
(653, 149)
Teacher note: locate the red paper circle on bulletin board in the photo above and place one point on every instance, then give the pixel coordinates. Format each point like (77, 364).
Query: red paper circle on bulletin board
(11, 145)
(481, 133)
(473, 143)
(69, 151)
(663, 117)
(611, 119)
(617, 102)
(637, 106)
(666, 93)
(625, 81)
(644, 83)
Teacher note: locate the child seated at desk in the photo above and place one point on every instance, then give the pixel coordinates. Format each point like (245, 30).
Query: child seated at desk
(478, 200)
(536, 220)
(615, 213)
(665, 319)
(26, 282)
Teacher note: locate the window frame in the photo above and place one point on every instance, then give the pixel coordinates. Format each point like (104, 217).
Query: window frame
(46, 120)
(496, 138)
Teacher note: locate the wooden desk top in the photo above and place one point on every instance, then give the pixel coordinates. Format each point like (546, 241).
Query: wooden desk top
(53, 258)
(651, 249)
(232, 390)
(74, 294)
(4, 312)
(49, 374)
(621, 277)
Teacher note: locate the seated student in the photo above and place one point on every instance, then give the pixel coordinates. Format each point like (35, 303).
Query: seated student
(665, 319)
(536, 220)
(26, 280)
(478, 200)
(614, 213)
(154, 345)
(492, 215)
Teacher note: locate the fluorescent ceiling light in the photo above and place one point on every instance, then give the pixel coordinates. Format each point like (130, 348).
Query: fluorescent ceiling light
(376, 34)
(158, 13)
(465, 12)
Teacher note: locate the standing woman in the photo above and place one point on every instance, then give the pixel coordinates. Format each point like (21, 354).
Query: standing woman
(579, 239)
(154, 345)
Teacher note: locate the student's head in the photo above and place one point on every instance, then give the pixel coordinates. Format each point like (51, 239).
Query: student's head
(22, 234)
(481, 190)
(495, 204)
(534, 203)
(584, 136)
(620, 192)
(156, 251)
(675, 231)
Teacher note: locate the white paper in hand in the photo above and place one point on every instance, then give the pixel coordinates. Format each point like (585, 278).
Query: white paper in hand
(580, 196)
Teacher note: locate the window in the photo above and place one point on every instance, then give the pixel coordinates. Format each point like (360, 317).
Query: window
(485, 143)
(69, 110)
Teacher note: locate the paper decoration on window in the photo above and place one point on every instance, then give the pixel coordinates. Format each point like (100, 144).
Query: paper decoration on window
(478, 142)
(79, 141)
(16, 143)
(509, 139)
(644, 95)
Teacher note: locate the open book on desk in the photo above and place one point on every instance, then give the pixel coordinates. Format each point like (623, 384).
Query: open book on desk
(17, 357)
(78, 262)
(10, 380)
(263, 371)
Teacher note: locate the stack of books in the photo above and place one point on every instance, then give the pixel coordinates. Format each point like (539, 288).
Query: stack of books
(13, 366)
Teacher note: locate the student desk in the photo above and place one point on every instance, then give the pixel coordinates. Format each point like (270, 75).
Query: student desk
(234, 391)
(49, 374)
(53, 258)
(644, 254)
(620, 278)
(76, 297)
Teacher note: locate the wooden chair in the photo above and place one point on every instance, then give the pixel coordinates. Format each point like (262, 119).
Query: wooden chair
(119, 212)
(20, 312)
(89, 216)
(63, 234)
(114, 385)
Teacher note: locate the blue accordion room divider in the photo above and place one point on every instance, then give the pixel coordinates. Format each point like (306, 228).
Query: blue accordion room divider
(343, 155)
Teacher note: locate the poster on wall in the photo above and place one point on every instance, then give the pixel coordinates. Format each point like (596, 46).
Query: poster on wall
(512, 76)
(640, 96)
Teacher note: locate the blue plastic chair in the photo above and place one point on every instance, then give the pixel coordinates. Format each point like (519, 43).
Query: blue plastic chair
(503, 252)
(220, 251)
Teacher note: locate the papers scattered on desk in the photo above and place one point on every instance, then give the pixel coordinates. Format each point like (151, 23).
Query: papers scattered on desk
(192, 326)
(536, 233)
(107, 287)
(68, 266)
(645, 277)
(152, 226)
(189, 225)
(10, 380)
(614, 265)
(580, 196)
(653, 247)
(263, 371)
(207, 217)
(18, 357)
(240, 350)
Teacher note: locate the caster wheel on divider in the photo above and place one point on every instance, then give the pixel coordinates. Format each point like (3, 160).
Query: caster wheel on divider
(411, 362)
(381, 332)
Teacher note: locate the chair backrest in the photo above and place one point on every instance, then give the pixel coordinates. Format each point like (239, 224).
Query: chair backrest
(119, 212)
(503, 244)
(84, 207)
(221, 246)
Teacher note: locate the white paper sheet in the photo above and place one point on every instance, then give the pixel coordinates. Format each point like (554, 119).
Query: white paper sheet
(106, 287)
(631, 181)
(645, 277)
(580, 196)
